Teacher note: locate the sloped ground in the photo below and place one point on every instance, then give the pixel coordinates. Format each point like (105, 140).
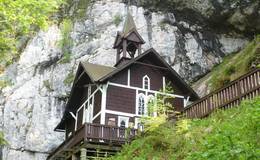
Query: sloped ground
(232, 67)
(230, 134)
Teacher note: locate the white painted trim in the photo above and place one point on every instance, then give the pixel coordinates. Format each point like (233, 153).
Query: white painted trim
(103, 103)
(151, 97)
(76, 121)
(186, 101)
(164, 84)
(126, 119)
(148, 80)
(137, 104)
(96, 116)
(87, 101)
(121, 113)
(145, 90)
(73, 115)
(128, 77)
(84, 114)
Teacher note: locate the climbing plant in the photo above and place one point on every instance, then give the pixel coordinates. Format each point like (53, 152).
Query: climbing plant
(159, 107)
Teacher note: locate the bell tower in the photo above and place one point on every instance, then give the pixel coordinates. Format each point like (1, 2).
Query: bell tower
(128, 42)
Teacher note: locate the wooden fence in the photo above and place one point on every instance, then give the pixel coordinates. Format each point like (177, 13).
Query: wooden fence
(109, 133)
(245, 87)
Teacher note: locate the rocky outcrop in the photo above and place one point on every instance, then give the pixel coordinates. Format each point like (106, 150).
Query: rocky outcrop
(33, 105)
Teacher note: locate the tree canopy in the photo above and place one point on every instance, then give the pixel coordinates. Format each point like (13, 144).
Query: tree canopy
(20, 19)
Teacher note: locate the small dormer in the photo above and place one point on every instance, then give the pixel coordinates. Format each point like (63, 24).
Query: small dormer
(127, 42)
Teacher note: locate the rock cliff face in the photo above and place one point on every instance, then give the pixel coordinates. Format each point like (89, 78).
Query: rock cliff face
(33, 105)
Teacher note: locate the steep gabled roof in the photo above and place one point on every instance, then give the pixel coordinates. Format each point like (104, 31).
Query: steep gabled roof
(150, 51)
(95, 72)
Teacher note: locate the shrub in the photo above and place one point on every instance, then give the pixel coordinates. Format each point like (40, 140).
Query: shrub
(117, 19)
(69, 79)
(4, 82)
(66, 42)
(19, 19)
(2, 140)
(226, 134)
(48, 85)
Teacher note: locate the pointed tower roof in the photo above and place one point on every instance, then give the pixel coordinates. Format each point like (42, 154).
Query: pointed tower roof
(129, 24)
(128, 29)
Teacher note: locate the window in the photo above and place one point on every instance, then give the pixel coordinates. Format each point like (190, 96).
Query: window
(141, 104)
(112, 121)
(146, 82)
(123, 121)
(151, 106)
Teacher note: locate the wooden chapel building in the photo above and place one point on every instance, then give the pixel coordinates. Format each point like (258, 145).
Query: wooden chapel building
(104, 101)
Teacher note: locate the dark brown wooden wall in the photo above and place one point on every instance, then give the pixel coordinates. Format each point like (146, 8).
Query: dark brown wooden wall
(120, 78)
(97, 103)
(131, 119)
(97, 120)
(70, 126)
(121, 99)
(139, 71)
(177, 103)
(80, 118)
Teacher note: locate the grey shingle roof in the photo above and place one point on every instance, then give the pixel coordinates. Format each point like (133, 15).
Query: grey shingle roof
(95, 71)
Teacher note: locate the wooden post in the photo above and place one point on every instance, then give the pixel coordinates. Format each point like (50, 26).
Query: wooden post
(83, 154)
(239, 91)
(73, 157)
(124, 48)
(139, 49)
(118, 55)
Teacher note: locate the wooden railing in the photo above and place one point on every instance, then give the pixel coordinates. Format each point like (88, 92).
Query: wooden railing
(109, 133)
(95, 133)
(245, 87)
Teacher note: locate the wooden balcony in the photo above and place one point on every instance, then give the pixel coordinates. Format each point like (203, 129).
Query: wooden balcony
(92, 135)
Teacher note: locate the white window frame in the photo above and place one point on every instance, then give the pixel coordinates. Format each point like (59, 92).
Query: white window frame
(137, 104)
(150, 96)
(137, 120)
(122, 118)
(146, 79)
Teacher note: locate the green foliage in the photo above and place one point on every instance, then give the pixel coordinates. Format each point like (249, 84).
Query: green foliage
(236, 65)
(117, 19)
(21, 18)
(48, 85)
(69, 79)
(2, 140)
(227, 134)
(162, 25)
(160, 107)
(4, 82)
(66, 41)
(67, 10)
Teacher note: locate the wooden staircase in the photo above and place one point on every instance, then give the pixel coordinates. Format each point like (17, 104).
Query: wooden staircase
(245, 87)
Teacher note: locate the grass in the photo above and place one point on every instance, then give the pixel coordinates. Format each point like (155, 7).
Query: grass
(231, 134)
(69, 79)
(4, 82)
(66, 42)
(117, 19)
(48, 85)
(2, 140)
(235, 65)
